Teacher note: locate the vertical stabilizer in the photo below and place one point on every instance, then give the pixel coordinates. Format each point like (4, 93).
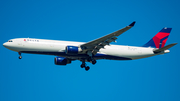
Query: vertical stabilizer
(159, 40)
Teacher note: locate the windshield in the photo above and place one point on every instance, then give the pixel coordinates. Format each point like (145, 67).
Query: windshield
(10, 41)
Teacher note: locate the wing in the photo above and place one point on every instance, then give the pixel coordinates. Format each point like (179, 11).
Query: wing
(95, 45)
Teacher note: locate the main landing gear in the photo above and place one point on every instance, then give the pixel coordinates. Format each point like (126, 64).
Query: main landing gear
(90, 59)
(93, 61)
(83, 65)
(20, 57)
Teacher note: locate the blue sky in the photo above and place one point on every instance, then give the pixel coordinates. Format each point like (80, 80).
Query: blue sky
(36, 77)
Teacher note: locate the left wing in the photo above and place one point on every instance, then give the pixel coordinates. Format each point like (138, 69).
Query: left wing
(92, 47)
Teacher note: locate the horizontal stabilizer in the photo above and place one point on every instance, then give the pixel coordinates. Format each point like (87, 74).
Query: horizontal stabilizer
(164, 48)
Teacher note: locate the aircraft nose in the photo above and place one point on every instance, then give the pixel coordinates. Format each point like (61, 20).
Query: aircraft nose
(5, 44)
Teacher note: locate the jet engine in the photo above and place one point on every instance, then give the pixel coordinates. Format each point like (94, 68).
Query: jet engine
(62, 61)
(72, 50)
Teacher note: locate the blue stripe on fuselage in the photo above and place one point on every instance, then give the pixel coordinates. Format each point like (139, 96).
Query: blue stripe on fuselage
(63, 54)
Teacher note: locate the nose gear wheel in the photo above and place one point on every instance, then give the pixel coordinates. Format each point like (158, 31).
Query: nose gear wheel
(20, 57)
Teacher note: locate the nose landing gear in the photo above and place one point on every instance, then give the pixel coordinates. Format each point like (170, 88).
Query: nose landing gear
(20, 57)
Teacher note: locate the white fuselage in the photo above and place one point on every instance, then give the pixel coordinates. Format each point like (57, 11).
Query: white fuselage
(57, 48)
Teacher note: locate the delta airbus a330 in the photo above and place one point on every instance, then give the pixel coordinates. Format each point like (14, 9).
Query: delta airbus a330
(67, 51)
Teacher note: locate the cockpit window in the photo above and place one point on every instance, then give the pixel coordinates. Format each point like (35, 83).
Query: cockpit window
(10, 41)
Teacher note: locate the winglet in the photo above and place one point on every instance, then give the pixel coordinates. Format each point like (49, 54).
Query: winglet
(132, 24)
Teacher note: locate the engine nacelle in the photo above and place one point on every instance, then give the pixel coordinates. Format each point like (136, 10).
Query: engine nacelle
(72, 50)
(61, 61)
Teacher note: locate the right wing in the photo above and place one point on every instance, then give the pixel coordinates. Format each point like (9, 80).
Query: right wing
(95, 45)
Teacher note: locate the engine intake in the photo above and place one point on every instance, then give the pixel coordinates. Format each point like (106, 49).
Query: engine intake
(61, 61)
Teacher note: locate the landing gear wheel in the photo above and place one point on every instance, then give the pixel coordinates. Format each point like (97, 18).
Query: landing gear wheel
(20, 57)
(83, 65)
(87, 68)
(94, 62)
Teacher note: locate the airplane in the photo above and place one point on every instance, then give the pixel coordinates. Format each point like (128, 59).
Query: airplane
(68, 51)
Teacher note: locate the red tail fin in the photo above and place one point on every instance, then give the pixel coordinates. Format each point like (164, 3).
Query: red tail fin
(159, 40)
